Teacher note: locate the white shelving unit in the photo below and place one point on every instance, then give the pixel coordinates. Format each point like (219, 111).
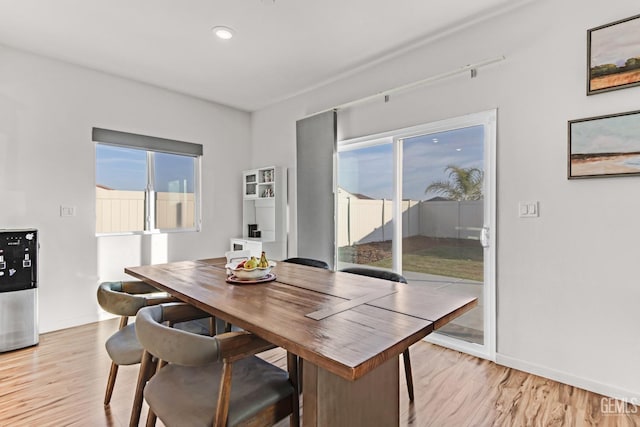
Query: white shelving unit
(265, 204)
(261, 183)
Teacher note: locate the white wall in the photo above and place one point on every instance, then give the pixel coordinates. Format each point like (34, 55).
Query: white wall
(47, 111)
(567, 281)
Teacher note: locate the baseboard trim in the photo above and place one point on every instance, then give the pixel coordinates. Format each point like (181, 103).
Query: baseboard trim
(68, 323)
(565, 378)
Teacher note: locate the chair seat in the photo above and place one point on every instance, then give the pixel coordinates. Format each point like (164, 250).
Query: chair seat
(123, 346)
(256, 384)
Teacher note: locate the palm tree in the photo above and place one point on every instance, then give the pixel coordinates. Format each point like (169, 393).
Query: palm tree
(463, 184)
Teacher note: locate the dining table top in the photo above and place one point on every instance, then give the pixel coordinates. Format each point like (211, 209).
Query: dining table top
(345, 323)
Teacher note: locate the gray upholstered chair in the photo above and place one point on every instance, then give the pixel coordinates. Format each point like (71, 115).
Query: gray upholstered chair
(308, 261)
(210, 380)
(394, 277)
(124, 299)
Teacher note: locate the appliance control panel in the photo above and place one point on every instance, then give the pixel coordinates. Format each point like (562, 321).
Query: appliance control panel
(18, 259)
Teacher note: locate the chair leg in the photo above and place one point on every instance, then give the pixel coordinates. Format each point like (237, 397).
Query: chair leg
(151, 416)
(111, 381)
(151, 419)
(222, 408)
(113, 372)
(294, 377)
(147, 369)
(408, 374)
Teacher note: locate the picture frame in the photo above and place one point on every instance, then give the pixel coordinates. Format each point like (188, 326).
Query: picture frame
(613, 56)
(604, 146)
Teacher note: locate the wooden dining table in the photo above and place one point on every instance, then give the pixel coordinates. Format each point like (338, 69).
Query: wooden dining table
(348, 329)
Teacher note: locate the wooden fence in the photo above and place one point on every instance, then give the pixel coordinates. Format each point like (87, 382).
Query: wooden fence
(370, 220)
(122, 211)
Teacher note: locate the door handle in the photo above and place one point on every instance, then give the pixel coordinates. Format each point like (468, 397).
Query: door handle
(484, 237)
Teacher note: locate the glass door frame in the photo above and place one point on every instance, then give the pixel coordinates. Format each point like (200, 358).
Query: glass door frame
(488, 120)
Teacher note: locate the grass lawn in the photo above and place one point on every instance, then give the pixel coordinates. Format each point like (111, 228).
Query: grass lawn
(445, 257)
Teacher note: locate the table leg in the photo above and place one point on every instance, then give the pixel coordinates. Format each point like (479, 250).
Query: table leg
(330, 400)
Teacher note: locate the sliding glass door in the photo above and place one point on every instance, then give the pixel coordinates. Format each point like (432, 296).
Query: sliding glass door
(365, 202)
(419, 201)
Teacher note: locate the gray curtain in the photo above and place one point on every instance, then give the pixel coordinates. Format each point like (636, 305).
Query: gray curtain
(316, 144)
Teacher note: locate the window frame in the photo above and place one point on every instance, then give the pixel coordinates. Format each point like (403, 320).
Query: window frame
(152, 145)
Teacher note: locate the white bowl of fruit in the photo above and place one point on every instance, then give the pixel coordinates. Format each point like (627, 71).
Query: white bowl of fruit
(252, 269)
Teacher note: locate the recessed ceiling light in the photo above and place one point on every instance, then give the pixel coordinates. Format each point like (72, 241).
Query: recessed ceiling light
(224, 33)
(458, 149)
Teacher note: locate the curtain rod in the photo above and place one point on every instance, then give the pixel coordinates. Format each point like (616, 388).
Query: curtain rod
(386, 93)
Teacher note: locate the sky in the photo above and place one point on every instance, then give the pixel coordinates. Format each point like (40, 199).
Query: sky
(369, 171)
(616, 44)
(611, 135)
(126, 169)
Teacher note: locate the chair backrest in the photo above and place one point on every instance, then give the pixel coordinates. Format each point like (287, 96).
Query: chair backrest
(263, 392)
(308, 261)
(380, 274)
(171, 344)
(237, 256)
(126, 298)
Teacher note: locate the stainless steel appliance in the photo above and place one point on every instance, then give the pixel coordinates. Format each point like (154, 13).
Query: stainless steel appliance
(18, 289)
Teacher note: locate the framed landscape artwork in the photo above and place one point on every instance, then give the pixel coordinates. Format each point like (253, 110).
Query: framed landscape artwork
(613, 56)
(605, 146)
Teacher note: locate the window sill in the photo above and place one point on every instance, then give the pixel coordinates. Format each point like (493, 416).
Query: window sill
(149, 232)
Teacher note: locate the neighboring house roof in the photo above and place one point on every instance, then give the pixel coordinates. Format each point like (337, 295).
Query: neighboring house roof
(104, 187)
(356, 195)
(361, 196)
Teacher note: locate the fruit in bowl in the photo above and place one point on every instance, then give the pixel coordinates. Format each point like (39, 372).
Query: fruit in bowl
(252, 274)
(252, 269)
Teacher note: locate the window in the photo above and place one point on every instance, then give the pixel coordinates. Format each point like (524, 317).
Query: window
(145, 184)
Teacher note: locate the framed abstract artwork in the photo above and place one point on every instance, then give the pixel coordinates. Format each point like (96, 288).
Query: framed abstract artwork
(613, 56)
(604, 146)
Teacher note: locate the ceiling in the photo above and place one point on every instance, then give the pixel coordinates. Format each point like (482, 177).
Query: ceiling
(281, 48)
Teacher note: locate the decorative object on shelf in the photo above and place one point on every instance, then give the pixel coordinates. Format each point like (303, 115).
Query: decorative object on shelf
(613, 56)
(604, 146)
(268, 192)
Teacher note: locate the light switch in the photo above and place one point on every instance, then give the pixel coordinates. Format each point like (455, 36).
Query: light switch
(67, 210)
(523, 209)
(528, 209)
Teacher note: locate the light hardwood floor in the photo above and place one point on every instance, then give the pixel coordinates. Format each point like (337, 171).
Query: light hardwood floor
(61, 382)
